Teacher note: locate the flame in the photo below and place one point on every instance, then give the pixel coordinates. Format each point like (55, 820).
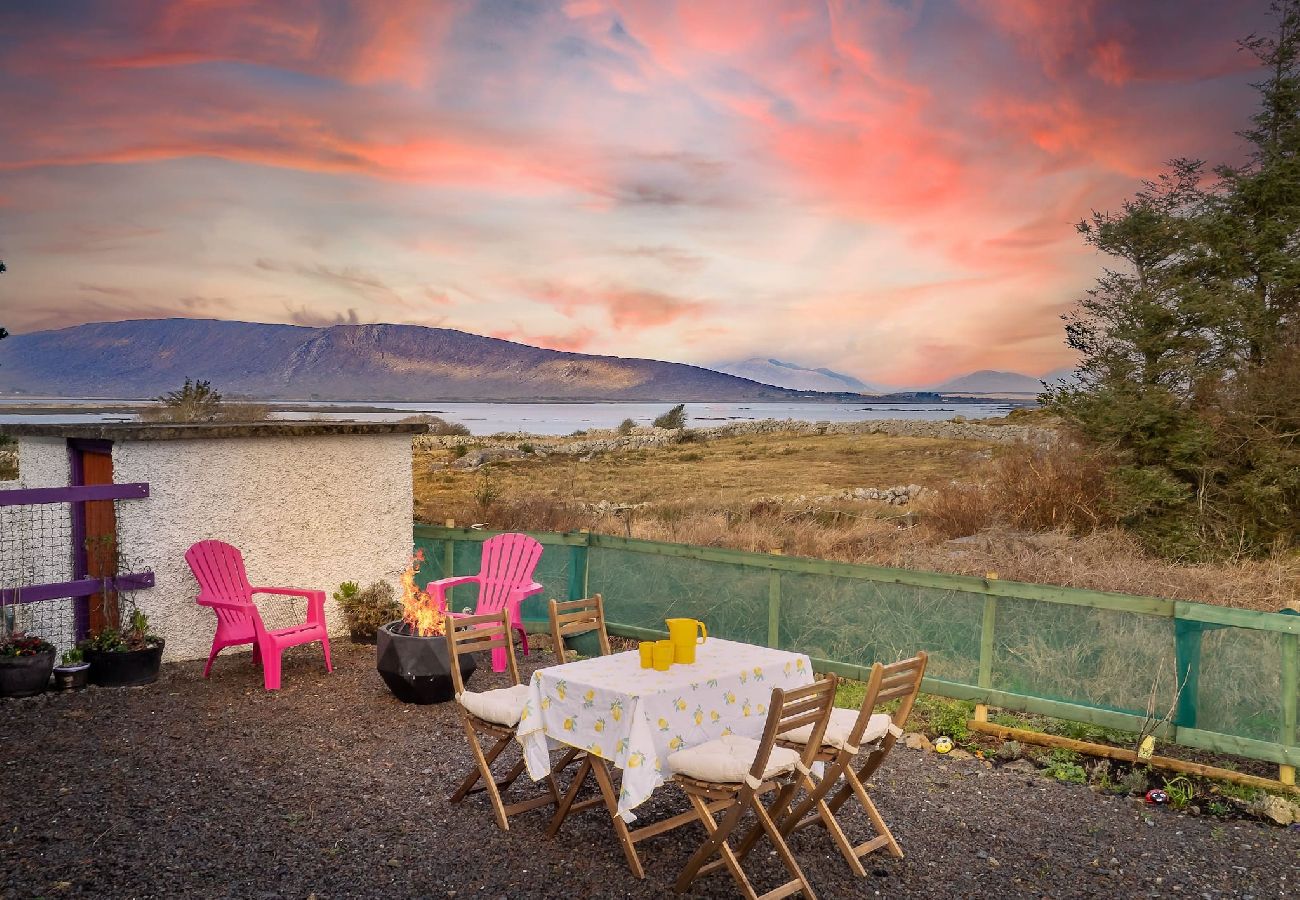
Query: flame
(419, 610)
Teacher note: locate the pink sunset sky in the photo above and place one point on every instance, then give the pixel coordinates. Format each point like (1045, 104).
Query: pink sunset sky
(886, 188)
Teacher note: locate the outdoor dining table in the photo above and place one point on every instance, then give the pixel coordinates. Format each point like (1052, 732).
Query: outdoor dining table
(633, 718)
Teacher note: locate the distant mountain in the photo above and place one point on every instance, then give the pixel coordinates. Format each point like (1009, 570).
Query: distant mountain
(987, 381)
(146, 357)
(792, 375)
(1065, 373)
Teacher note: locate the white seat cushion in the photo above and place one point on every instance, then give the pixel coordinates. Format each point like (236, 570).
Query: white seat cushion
(728, 759)
(839, 727)
(503, 706)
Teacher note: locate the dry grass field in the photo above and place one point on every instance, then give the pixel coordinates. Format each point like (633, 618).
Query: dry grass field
(725, 472)
(1023, 516)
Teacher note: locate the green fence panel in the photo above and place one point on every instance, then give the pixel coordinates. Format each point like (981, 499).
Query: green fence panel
(642, 590)
(861, 622)
(1105, 658)
(1229, 679)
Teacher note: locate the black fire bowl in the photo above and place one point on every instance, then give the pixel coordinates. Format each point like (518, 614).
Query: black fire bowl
(417, 669)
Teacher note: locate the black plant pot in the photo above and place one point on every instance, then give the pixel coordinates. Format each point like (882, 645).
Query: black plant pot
(124, 668)
(71, 678)
(24, 676)
(417, 669)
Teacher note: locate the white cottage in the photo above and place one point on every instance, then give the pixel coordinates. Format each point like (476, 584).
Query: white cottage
(310, 504)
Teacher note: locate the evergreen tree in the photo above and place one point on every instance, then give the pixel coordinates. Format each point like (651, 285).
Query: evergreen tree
(1189, 374)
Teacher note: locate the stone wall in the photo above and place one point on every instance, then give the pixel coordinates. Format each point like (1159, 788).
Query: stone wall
(640, 438)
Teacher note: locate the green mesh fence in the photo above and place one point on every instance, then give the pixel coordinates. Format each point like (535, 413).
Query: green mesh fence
(1225, 678)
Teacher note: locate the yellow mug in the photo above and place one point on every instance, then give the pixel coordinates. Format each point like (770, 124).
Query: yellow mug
(647, 649)
(663, 655)
(685, 634)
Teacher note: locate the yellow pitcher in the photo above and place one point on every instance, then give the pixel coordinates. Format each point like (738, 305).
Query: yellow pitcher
(685, 634)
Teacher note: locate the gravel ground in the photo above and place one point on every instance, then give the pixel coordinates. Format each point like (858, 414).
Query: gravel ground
(331, 788)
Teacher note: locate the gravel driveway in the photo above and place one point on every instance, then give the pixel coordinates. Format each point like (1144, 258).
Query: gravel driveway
(331, 788)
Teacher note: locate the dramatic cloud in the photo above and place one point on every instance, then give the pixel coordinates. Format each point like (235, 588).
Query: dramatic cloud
(885, 187)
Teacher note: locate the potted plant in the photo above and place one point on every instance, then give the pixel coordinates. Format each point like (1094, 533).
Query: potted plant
(367, 611)
(25, 664)
(124, 657)
(71, 672)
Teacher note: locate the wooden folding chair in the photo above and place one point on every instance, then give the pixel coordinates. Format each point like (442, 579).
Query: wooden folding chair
(575, 617)
(578, 617)
(847, 734)
(491, 713)
(729, 775)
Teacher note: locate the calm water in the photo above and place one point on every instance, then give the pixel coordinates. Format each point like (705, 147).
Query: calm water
(560, 418)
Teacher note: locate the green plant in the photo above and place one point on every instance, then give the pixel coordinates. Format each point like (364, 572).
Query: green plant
(1010, 750)
(527, 448)
(459, 450)
(73, 657)
(487, 491)
(1135, 781)
(369, 610)
(625, 427)
(673, 419)
(134, 636)
(196, 401)
(944, 716)
(1181, 791)
(1063, 765)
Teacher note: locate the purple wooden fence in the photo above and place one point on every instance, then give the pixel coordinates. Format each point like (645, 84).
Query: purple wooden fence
(79, 587)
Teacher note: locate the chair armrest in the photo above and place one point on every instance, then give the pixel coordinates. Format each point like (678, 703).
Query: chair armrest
(223, 604)
(287, 591)
(439, 588)
(315, 600)
(525, 590)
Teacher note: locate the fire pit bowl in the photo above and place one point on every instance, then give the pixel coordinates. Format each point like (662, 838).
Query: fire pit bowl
(416, 669)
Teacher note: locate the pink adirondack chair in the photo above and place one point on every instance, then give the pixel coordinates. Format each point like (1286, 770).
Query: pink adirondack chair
(504, 579)
(223, 586)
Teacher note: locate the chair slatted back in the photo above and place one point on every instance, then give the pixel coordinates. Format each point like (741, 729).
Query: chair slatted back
(578, 617)
(508, 563)
(218, 567)
(788, 710)
(474, 634)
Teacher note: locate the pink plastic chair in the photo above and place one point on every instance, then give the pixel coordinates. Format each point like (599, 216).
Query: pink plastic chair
(223, 585)
(504, 579)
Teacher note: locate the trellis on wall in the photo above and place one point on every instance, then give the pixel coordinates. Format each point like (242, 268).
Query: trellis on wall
(52, 581)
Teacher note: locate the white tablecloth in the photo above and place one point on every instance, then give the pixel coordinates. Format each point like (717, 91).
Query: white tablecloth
(635, 717)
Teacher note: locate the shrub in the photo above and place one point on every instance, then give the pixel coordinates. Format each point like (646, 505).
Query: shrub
(527, 448)
(673, 419)
(366, 611)
(438, 425)
(459, 450)
(625, 427)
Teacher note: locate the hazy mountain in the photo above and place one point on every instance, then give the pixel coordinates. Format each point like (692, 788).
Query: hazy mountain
(146, 357)
(987, 381)
(1065, 373)
(792, 375)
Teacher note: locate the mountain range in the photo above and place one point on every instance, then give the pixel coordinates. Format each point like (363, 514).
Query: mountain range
(145, 357)
(792, 375)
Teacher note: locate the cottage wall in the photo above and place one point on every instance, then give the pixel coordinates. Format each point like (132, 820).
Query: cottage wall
(308, 512)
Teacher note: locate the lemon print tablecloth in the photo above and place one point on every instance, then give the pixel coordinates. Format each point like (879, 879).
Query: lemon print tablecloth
(635, 717)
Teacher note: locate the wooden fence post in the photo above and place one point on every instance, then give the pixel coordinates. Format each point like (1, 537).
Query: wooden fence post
(1290, 697)
(449, 558)
(987, 630)
(774, 604)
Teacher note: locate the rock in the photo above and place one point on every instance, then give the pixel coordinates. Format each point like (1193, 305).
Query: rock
(958, 753)
(914, 740)
(1019, 765)
(1277, 810)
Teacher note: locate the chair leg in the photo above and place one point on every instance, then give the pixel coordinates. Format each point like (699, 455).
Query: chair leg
(782, 850)
(257, 653)
(325, 646)
(523, 638)
(207, 670)
(485, 771)
(472, 778)
(271, 669)
(716, 843)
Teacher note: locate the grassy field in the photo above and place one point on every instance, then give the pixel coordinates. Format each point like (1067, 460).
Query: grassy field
(725, 473)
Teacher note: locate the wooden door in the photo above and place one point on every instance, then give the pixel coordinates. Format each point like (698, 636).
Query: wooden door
(100, 541)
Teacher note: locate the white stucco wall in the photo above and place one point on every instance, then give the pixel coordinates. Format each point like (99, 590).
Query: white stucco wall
(308, 512)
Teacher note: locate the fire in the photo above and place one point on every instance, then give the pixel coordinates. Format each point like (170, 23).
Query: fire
(419, 610)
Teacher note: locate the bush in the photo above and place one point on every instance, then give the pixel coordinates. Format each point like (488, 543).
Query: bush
(366, 611)
(625, 427)
(437, 425)
(673, 419)
(527, 448)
